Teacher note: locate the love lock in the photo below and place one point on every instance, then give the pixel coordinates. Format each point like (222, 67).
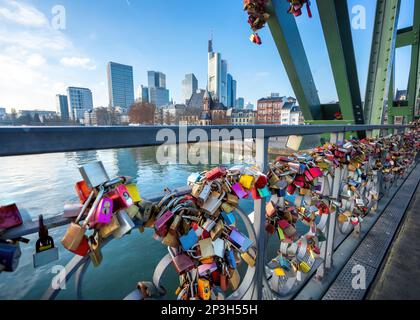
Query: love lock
(46, 252)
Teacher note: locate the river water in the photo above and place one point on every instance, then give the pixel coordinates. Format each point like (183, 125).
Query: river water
(41, 184)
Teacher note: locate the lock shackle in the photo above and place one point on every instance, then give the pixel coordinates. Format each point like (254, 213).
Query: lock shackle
(94, 206)
(85, 206)
(42, 230)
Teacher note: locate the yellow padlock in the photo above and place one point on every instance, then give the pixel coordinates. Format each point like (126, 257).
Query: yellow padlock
(134, 192)
(279, 272)
(246, 181)
(304, 267)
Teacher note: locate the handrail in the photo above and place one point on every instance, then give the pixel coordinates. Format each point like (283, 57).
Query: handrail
(15, 141)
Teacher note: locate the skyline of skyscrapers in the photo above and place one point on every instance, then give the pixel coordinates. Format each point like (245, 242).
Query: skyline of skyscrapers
(158, 94)
(80, 100)
(120, 85)
(189, 86)
(62, 106)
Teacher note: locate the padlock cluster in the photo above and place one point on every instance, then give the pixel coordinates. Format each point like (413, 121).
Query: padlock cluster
(107, 207)
(334, 178)
(202, 234)
(257, 17)
(297, 5)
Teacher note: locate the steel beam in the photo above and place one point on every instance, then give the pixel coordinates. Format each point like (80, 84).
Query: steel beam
(335, 22)
(405, 37)
(286, 35)
(381, 60)
(413, 81)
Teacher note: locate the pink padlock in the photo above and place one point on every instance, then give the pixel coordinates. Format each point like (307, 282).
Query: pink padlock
(103, 214)
(161, 227)
(239, 191)
(205, 269)
(316, 172)
(121, 198)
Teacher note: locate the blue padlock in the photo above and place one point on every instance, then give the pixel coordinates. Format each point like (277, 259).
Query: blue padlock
(229, 218)
(264, 192)
(9, 256)
(189, 240)
(231, 258)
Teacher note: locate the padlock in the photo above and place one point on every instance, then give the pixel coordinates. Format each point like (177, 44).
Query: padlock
(204, 194)
(126, 225)
(103, 213)
(229, 218)
(75, 233)
(211, 205)
(10, 217)
(133, 211)
(206, 269)
(261, 182)
(83, 247)
(264, 192)
(217, 231)
(46, 252)
(215, 173)
(181, 262)
(121, 198)
(161, 224)
(232, 199)
(239, 191)
(206, 248)
(219, 248)
(83, 191)
(234, 279)
(250, 257)
(94, 174)
(246, 181)
(189, 240)
(133, 192)
(270, 209)
(224, 279)
(239, 240)
(95, 250)
(171, 240)
(194, 178)
(204, 290)
(107, 230)
(10, 254)
(255, 194)
(209, 225)
(230, 257)
(227, 207)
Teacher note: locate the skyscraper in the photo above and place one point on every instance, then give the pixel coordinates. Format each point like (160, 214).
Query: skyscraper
(231, 91)
(120, 85)
(80, 101)
(189, 86)
(217, 76)
(143, 93)
(62, 106)
(158, 94)
(240, 103)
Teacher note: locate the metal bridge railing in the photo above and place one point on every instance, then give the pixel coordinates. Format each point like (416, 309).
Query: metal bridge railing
(15, 141)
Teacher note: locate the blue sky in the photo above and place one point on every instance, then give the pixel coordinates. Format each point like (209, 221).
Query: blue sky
(38, 61)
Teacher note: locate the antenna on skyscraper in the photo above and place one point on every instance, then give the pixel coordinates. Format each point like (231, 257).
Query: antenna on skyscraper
(211, 42)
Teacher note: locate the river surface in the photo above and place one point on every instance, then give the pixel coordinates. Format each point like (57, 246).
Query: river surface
(41, 184)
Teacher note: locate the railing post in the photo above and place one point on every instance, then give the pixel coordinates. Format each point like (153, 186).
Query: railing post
(259, 216)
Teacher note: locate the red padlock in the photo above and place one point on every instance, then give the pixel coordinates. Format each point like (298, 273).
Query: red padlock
(261, 182)
(83, 248)
(255, 194)
(83, 191)
(215, 173)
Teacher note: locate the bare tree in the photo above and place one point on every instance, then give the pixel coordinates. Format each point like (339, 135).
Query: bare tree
(142, 113)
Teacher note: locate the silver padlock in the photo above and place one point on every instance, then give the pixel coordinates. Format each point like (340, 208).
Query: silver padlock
(204, 194)
(126, 225)
(94, 174)
(212, 204)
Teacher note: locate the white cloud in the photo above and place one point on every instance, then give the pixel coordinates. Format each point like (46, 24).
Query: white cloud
(32, 66)
(84, 63)
(35, 60)
(22, 14)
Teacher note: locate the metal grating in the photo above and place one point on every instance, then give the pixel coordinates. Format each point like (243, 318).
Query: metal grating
(373, 248)
(342, 289)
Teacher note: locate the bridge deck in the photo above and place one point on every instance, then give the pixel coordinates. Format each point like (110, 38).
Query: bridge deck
(373, 249)
(399, 277)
